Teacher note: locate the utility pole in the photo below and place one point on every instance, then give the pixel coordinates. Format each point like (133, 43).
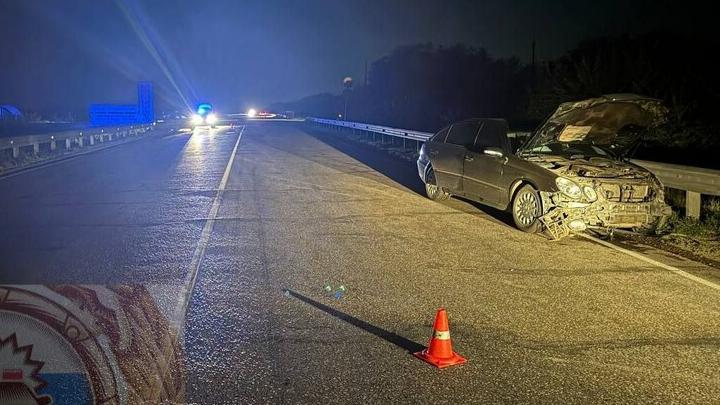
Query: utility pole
(366, 73)
(533, 55)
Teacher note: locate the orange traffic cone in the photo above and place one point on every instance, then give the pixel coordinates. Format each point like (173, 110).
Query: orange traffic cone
(440, 353)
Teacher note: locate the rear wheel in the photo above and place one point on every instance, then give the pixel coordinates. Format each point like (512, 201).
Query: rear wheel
(526, 209)
(433, 191)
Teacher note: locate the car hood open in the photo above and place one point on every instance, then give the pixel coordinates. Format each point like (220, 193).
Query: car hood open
(613, 121)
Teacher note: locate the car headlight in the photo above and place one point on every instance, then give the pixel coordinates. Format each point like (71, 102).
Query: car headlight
(197, 119)
(569, 188)
(211, 119)
(590, 193)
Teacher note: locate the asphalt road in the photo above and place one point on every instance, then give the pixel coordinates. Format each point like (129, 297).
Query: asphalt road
(539, 321)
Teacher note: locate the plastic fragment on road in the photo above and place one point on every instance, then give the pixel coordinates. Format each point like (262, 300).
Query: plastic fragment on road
(336, 293)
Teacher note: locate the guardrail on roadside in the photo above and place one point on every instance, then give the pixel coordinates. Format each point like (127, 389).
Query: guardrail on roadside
(68, 140)
(695, 181)
(405, 134)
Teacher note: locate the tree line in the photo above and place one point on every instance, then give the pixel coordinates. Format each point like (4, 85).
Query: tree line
(425, 86)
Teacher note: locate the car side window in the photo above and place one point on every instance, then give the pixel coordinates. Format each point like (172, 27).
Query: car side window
(440, 135)
(492, 133)
(463, 133)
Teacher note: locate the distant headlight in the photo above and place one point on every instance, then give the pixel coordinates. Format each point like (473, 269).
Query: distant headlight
(211, 119)
(197, 119)
(590, 193)
(569, 188)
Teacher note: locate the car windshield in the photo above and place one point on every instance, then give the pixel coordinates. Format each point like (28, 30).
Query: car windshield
(549, 143)
(570, 150)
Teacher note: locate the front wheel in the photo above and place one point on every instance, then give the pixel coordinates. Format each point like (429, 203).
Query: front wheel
(526, 209)
(433, 191)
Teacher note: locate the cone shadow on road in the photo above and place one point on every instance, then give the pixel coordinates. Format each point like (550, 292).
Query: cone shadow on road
(391, 337)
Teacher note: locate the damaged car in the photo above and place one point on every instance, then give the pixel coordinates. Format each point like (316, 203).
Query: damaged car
(572, 174)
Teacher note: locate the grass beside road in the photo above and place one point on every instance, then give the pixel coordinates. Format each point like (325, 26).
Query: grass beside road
(699, 237)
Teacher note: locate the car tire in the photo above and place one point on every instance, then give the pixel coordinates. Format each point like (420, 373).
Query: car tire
(526, 209)
(432, 190)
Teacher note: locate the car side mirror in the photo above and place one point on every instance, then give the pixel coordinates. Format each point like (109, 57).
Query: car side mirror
(494, 151)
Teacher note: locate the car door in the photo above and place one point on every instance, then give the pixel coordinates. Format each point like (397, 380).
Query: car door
(447, 155)
(485, 161)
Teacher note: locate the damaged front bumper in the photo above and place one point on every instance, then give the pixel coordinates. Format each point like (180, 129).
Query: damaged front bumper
(562, 216)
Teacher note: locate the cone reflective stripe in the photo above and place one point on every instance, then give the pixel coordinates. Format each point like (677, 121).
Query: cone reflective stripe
(439, 352)
(442, 335)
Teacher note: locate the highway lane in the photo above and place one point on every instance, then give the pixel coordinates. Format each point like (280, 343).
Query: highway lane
(132, 212)
(568, 321)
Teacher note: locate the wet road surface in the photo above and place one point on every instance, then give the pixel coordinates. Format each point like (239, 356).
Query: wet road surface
(539, 321)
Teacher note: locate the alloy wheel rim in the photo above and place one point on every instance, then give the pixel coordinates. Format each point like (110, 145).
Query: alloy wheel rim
(526, 208)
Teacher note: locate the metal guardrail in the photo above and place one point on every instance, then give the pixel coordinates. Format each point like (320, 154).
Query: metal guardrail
(378, 129)
(69, 139)
(695, 181)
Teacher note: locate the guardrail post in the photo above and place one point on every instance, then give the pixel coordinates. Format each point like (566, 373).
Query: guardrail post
(692, 204)
(53, 145)
(80, 141)
(68, 143)
(92, 140)
(16, 151)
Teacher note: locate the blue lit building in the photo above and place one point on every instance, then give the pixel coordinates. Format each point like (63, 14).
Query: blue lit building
(125, 114)
(10, 113)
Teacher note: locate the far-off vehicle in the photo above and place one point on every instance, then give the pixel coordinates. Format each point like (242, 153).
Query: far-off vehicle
(570, 175)
(204, 116)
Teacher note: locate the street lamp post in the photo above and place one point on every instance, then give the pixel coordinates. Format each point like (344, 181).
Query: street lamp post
(347, 88)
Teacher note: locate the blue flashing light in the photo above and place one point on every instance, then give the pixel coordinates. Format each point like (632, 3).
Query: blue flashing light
(204, 109)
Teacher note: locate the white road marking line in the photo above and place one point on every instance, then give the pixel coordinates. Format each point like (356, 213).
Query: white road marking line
(652, 261)
(189, 284)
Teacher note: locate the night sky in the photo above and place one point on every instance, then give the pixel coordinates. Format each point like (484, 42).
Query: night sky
(63, 55)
